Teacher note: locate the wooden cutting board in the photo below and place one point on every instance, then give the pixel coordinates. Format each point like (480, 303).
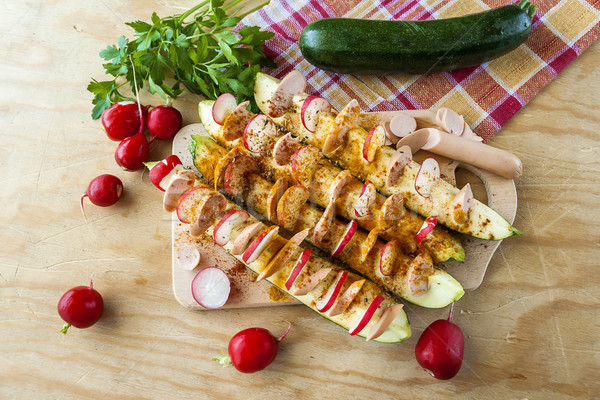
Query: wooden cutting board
(501, 196)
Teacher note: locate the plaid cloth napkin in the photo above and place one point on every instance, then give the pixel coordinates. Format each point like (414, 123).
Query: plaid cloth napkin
(487, 95)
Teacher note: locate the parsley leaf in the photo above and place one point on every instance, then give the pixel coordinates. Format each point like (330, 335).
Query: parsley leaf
(196, 50)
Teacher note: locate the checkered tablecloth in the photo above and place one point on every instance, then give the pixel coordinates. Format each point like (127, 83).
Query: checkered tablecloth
(487, 95)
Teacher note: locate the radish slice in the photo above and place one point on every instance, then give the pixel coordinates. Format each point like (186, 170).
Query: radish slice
(285, 148)
(188, 257)
(188, 203)
(366, 200)
(368, 244)
(290, 205)
(222, 231)
(310, 283)
(346, 119)
(325, 302)
(309, 112)
(277, 190)
(284, 255)
(418, 274)
(399, 126)
(236, 122)
(160, 174)
(219, 173)
(345, 239)
(398, 161)
(346, 298)
(388, 316)
(305, 162)
(222, 107)
(260, 244)
(426, 228)
(241, 241)
(299, 266)
(366, 317)
(281, 100)
(462, 203)
(179, 183)
(427, 177)
(388, 258)
(236, 174)
(338, 185)
(211, 288)
(323, 224)
(392, 211)
(212, 207)
(374, 140)
(450, 121)
(259, 134)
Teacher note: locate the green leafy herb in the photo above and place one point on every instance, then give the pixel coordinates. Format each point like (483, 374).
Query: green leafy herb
(196, 50)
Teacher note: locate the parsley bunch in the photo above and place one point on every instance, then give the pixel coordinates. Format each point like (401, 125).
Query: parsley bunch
(203, 55)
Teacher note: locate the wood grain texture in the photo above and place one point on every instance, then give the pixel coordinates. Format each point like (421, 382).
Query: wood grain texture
(531, 328)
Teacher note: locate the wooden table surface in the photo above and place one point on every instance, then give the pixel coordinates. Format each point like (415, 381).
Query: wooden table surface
(531, 329)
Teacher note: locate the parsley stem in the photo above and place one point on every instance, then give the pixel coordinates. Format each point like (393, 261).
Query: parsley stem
(228, 6)
(192, 10)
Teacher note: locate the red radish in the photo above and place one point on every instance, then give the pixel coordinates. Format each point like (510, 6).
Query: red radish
(122, 120)
(418, 273)
(441, 347)
(187, 206)
(388, 316)
(259, 134)
(338, 185)
(103, 191)
(281, 100)
(398, 161)
(222, 164)
(223, 229)
(462, 203)
(426, 228)
(365, 200)
(345, 239)
(298, 267)
(252, 349)
(427, 177)
(325, 302)
(211, 287)
(260, 244)
(305, 162)
(188, 257)
(309, 112)
(389, 257)
(366, 317)
(164, 122)
(241, 241)
(210, 208)
(161, 172)
(310, 282)
(81, 307)
(283, 255)
(179, 183)
(222, 107)
(284, 149)
(346, 298)
(132, 152)
(374, 140)
(236, 174)
(235, 123)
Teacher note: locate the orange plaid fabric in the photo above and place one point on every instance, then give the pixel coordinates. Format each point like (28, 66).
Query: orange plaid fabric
(487, 95)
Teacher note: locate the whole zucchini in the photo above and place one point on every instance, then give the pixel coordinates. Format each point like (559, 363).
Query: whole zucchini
(359, 46)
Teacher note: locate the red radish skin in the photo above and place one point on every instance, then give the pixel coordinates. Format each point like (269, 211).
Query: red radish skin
(223, 229)
(374, 140)
(122, 120)
(325, 303)
(298, 267)
(259, 134)
(440, 349)
(222, 107)
(426, 228)
(252, 349)
(259, 244)
(132, 152)
(164, 122)
(366, 317)
(427, 177)
(81, 307)
(159, 173)
(309, 112)
(345, 239)
(103, 191)
(211, 288)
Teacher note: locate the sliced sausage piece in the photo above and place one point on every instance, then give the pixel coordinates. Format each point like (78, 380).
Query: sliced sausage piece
(346, 119)
(235, 123)
(388, 316)
(399, 126)
(305, 162)
(288, 207)
(398, 161)
(284, 255)
(415, 140)
(284, 149)
(235, 180)
(418, 274)
(369, 243)
(450, 121)
(277, 190)
(338, 185)
(292, 84)
(427, 177)
(388, 257)
(188, 257)
(392, 211)
(323, 224)
(222, 164)
(310, 283)
(211, 208)
(463, 201)
(179, 183)
(346, 298)
(242, 240)
(469, 134)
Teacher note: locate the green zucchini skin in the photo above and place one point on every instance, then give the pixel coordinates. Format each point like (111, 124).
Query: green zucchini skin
(359, 46)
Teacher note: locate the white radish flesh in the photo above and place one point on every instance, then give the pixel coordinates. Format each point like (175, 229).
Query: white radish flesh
(222, 107)
(374, 140)
(222, 231)
(345, 239)
(241, 241)
(346, 298)
(284, 255)
(309, 112)
(260, 244)
(463, 201)
(325, 302)
(188, 257)
(284, 149)
(418, 274)
(219, 173)
(427, 177)
(259, 135)
(211, 288)
(366, 317)
(298, 267)
(366, 200)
